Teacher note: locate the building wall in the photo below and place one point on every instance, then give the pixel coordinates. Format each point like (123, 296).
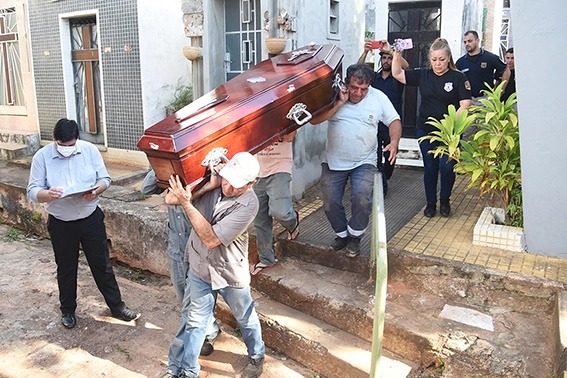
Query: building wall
(542, 124)
(213, 44)
(120, 66)
(163, 66)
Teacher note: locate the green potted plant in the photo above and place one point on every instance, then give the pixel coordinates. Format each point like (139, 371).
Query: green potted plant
(485, 143)
(182, 97)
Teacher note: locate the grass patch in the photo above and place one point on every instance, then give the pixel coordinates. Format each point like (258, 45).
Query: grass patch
(12, 235)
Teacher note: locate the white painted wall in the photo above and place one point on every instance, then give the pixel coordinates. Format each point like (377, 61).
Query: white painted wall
(452, 25)
(541, 107)
(213, 44)
(163, 66)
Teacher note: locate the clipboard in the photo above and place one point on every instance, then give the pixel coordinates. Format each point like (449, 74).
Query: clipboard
(80, 192)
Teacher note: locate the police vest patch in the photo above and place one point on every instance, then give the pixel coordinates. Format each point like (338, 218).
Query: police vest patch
(448, 87)
(483, 64)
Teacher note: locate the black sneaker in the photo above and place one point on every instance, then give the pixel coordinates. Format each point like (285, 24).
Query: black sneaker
(430, 210)
(339, 243)
(208, 345)
(353, 247)
(254, 368)
(126, 314)
(445, 208)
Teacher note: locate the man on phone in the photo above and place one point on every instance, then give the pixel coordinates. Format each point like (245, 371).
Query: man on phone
(384, 81)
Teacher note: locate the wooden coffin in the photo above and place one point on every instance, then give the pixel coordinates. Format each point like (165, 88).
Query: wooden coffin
(246, 113)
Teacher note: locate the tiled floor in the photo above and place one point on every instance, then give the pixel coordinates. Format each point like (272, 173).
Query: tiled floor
(448, 238)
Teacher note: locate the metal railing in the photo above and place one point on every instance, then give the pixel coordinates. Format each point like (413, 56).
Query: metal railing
(379, 262)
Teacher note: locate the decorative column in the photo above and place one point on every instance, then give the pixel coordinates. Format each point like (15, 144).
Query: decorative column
(193, 25)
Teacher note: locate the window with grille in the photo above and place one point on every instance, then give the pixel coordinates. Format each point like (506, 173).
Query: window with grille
(334, 19)
(11, 79)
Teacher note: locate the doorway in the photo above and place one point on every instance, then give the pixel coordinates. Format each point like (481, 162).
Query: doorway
(243, 36)
(86, 78)
(420, 21)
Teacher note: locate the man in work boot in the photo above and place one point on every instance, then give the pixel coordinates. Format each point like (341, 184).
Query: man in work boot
(218, 261)
(179, 228)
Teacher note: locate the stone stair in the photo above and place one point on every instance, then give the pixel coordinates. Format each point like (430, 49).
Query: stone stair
(15, 145)
(316, 306)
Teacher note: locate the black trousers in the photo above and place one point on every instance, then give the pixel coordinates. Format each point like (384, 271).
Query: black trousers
(90, 233)
(385, 167)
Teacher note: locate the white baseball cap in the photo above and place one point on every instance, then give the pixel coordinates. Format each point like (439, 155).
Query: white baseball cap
(240, 170)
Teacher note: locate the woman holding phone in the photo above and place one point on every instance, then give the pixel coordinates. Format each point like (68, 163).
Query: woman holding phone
(440, 85)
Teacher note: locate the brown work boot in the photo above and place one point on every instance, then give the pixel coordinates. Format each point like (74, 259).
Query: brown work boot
(254, 368)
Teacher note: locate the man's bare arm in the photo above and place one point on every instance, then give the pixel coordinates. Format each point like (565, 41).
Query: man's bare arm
(395, 131)
(200, 225)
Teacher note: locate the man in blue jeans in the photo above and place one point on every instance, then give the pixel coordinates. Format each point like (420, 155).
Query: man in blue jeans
(218, 261)
(179, 228)
(351, 154)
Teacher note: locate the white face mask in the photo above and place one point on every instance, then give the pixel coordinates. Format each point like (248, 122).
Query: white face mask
(66, 150)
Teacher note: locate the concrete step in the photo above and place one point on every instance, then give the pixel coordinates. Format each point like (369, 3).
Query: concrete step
(408, 153)
(472, 331)
(315, 344)
(10, 150)
(345, 300)
(15, 145)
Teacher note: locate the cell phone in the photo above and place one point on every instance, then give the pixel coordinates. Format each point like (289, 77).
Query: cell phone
(403, 44)
(376, 44)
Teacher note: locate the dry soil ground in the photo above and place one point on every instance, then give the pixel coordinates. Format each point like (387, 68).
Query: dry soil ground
(33, 343)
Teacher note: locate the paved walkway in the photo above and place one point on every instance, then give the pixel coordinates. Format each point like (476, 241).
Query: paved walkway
(448, 238)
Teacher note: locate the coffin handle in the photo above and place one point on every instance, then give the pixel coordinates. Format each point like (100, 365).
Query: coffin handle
(297, 111)
(214, 157)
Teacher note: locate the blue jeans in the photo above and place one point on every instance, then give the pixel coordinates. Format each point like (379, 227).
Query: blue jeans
(274, 195)
(333, 185)
(200, 313)
(433, 168)
(176, 349)
(178, 269)
(178, 230)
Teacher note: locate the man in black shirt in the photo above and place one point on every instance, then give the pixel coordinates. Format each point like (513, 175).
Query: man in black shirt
(384, 81)
(509, 75)
(480, 66)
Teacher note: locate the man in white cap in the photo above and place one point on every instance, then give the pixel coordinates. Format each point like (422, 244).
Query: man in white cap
(217, 251)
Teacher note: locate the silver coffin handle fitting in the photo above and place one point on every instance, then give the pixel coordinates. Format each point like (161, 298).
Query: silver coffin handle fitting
(214, 157)
(297, 111)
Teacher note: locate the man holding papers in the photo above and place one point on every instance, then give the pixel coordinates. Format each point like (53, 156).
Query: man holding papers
(68, 175)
